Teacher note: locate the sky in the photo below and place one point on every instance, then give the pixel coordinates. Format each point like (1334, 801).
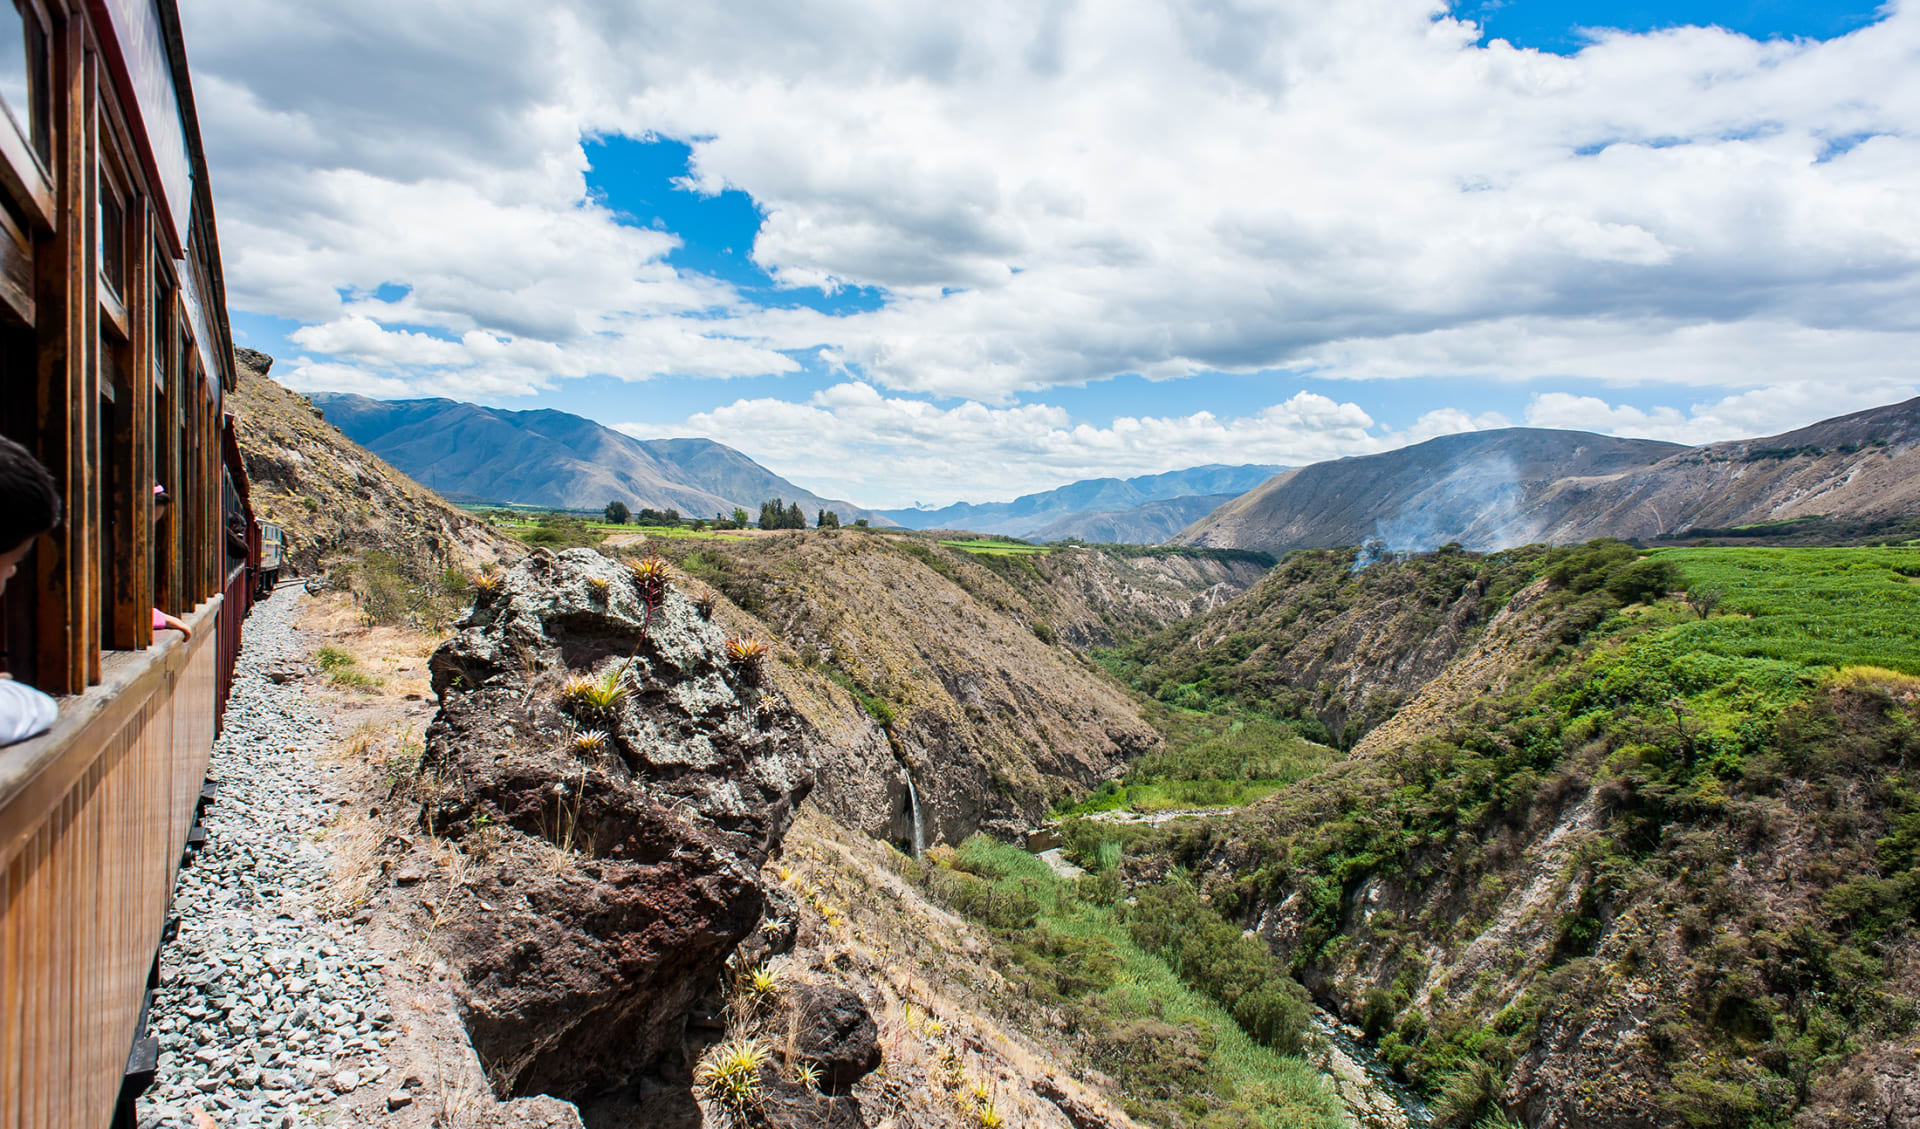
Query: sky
(917, 253)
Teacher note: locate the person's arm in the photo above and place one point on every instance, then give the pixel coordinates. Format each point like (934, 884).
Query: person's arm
(24, 712)
(164, 622)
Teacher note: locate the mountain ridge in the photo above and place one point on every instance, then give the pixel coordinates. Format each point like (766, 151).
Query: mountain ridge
(546, 457)
(1496, 489)
(1029, 514)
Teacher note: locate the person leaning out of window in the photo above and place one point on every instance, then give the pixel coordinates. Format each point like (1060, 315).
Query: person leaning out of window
(29, 506)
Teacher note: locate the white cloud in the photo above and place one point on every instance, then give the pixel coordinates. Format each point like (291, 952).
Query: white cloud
(1051, 193)
(853, 441)
(1748, 415)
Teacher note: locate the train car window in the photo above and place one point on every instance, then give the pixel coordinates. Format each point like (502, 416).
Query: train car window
(18, 418)
(113, 234)
(24, 82)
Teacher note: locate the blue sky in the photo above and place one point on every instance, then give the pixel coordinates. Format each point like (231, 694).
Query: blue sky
(842, 257)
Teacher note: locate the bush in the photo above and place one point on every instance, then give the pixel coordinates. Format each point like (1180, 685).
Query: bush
(1238, 972)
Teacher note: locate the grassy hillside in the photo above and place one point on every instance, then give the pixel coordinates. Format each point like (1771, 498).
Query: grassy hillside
(1663, 874)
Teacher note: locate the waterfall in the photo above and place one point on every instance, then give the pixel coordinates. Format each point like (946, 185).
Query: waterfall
(919, 823)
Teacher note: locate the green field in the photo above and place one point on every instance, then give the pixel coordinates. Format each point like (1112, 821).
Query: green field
(989, 547)
(1808, 607)
(1210, 760)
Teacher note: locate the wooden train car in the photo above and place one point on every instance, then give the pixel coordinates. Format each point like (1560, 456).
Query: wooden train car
(115, 360)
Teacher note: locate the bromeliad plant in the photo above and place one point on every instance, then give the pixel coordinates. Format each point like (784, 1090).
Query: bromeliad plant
(729, 1074)
(649, 583)
(746, 655)
(594, 699)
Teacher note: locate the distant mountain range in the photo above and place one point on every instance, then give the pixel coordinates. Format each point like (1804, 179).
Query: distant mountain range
(1143, 510)
(1849, 478)
(547, 458)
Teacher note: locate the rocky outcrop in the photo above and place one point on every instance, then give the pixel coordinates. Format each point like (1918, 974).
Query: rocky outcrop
(615, 843)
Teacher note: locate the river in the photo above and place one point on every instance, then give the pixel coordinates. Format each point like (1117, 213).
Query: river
(1373, 1099)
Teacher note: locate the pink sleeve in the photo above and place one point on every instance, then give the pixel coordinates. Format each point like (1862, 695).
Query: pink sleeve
(159, 620)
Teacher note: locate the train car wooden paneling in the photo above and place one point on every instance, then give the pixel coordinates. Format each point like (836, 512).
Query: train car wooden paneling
(115, 360)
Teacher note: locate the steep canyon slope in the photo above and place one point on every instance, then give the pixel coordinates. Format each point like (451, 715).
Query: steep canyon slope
(947, 679)
(1616, 861)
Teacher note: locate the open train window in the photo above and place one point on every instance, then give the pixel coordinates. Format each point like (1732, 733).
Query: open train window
(24, 81)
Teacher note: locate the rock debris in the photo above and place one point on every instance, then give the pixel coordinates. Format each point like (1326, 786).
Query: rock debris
(266, 1014)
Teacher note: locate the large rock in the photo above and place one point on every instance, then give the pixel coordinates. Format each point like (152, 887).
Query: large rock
(613, 882)
(837, 1034)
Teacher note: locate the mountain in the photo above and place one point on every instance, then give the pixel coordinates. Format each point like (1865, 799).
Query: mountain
(550, 458)
(1028, 514)
(1849, 477)
(1148, 523)
(335, 500)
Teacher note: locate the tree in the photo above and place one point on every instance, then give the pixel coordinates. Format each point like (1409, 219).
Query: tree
(796, 517)
(828, 520)
(1703, 601)
(739, 518)
(618, 513)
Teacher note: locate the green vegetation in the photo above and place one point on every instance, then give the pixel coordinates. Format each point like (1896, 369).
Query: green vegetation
(342, 669)
(776, 514)
(391, 590)
(995, 547)
(1274, 652)
(1178, 1052)
(1808, 607)
(1210, 761)
(1755, 775)
(560, 531)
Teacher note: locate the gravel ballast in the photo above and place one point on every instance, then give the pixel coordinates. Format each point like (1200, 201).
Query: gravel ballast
(266, 1013)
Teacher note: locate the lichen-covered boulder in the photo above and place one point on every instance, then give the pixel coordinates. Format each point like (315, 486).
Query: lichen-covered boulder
(616, 782)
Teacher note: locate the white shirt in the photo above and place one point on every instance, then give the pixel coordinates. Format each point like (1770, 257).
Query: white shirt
(24, 711)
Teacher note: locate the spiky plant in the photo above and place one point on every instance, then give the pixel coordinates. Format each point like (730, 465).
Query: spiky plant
(729, 1074)
(487, 585)
(649, 580)
(773, 926)
(807, 1074)
(748, 656)
(759, 983)
(597, 587)
(591, 742)
(977, 1091)
(703, 603)
(988, 1117)
(593, 699)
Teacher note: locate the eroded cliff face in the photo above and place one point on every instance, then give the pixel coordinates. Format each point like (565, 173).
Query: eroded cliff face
(615, 845)
(928, 676)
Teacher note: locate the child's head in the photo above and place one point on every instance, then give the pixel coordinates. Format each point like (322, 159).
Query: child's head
(29, 505)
